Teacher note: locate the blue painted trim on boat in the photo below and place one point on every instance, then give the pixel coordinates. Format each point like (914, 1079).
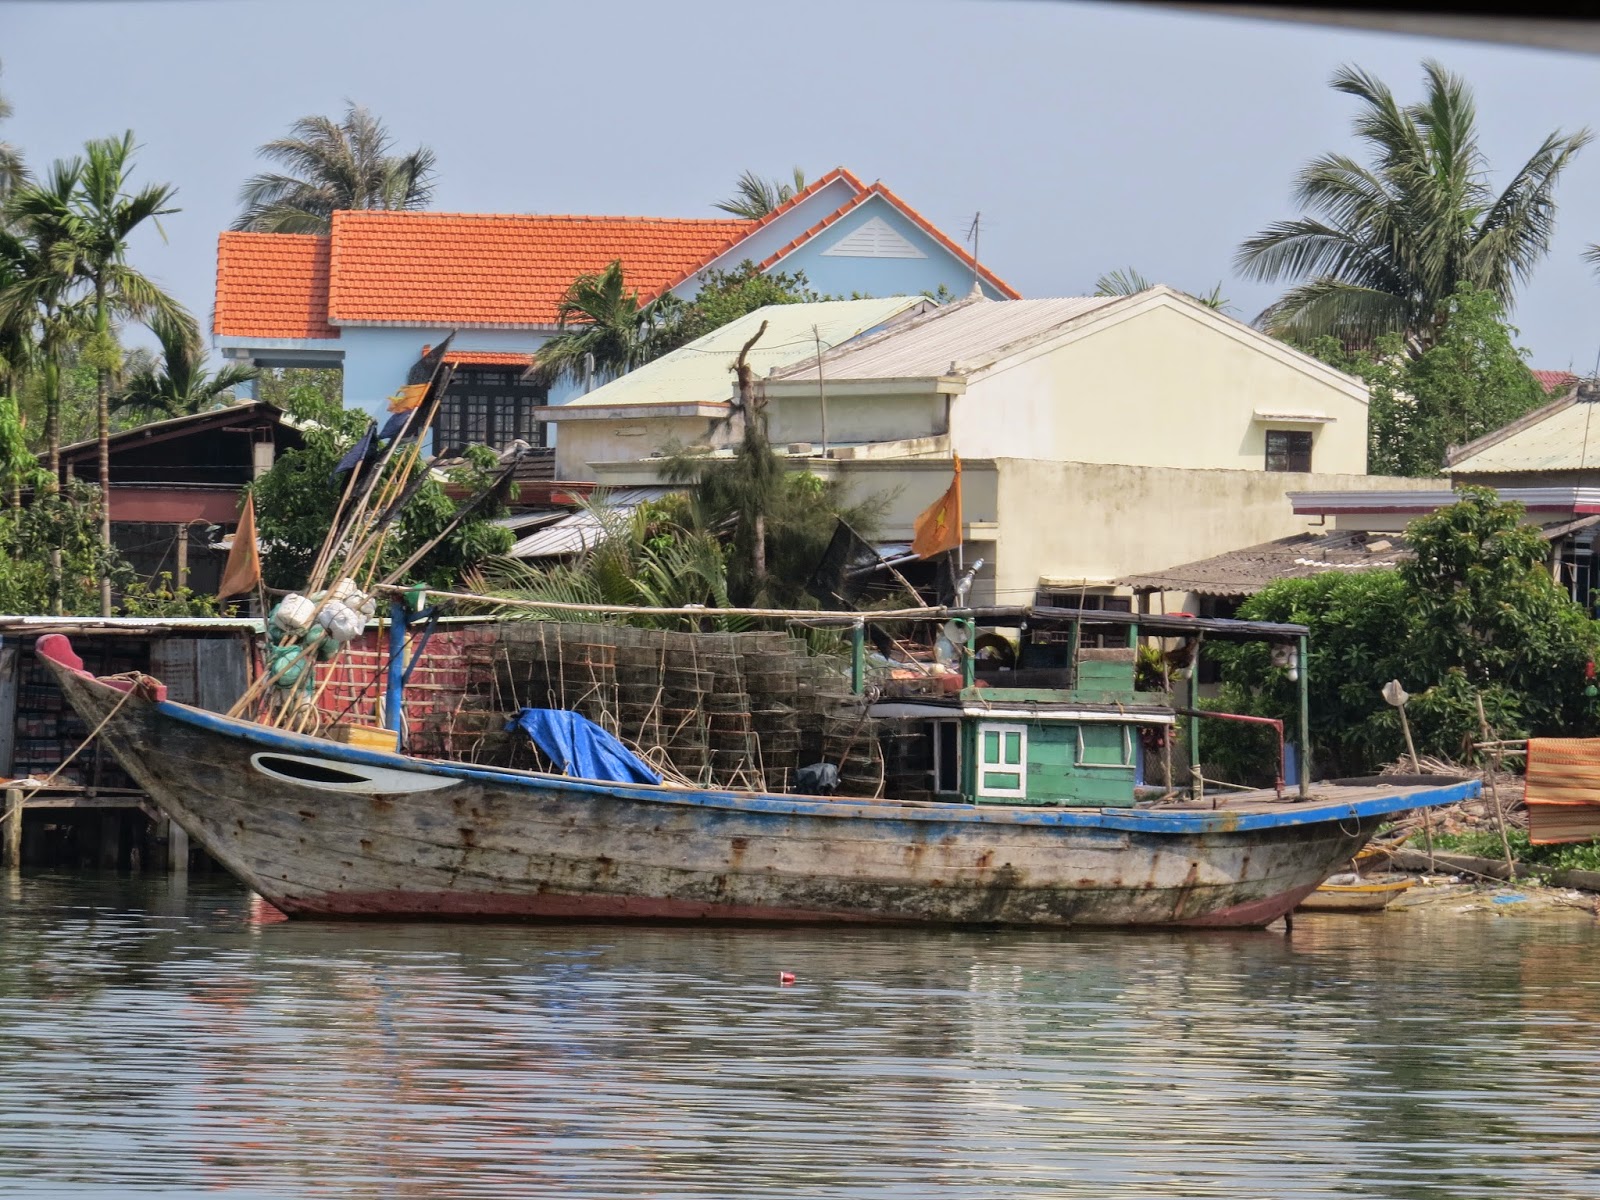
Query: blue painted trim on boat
(1130, 820)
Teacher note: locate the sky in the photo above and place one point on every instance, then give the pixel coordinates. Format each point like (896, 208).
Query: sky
(1090, 136)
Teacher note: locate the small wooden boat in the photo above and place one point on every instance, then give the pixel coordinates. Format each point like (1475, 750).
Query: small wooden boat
(1352, 893)
(323, 828)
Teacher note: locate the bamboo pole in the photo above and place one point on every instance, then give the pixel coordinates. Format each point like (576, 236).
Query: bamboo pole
(1494, 786)
(1416, 768)
(798, 614)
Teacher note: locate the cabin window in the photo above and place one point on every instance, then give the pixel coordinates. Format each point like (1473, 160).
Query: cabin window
(1288, 450)
(488, 407)
(1002, 760)
(1104, 746)
(946, 738)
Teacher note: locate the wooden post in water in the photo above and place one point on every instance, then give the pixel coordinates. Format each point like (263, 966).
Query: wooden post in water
(177, 848)
(1303, 766)
(11, 830)
(1196, 786)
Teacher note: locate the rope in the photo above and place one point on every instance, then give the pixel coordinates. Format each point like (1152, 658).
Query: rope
(51, 778)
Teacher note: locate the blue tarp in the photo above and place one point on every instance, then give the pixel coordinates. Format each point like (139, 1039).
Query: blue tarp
(580, 748)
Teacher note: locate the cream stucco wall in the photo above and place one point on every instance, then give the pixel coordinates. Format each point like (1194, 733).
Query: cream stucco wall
(1166, 386)
(1098, 522)
(582, 443)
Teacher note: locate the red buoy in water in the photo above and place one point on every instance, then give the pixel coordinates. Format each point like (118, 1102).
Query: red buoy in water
(785, 978)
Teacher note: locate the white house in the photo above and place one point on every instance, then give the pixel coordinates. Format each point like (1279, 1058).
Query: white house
(1099, 436)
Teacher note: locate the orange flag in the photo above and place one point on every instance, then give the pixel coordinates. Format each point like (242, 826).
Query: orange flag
(243, 572)
(939, 526)
(407, 397)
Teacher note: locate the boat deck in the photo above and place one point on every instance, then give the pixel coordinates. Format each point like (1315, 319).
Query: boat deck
(1265, 800)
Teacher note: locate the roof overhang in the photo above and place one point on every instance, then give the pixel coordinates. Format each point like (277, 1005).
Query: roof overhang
(1577, 500)
(1269, 416)
(631, 412)
(807, 388)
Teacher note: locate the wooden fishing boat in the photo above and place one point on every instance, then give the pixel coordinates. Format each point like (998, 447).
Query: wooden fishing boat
(323, 828)
(1352, 893)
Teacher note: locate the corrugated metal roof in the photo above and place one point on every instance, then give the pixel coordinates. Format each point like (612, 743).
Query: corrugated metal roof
(127, 625)
(578, 531)
(954, 340)
(702, 371)
(1566, 440)
(1245, 572)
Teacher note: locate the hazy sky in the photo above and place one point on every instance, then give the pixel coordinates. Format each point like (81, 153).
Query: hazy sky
(1090, 136)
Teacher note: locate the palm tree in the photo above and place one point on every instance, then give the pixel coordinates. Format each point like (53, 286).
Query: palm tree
(331, 165)
(604, 330)
(180, 384)
(754, 197)
(1128, 282)
(37, 311)
(13, 174)
(106, 215)
(1389, 243)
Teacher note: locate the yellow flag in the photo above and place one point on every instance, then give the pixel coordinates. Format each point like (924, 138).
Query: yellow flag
(407, 397)
(243, 572)
(939, 527)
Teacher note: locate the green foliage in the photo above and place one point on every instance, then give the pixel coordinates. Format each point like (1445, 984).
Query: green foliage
(68, 521)
(652, 556)
(301, 391)
(1475, 614)
(1484, 605)
(158, 598)
(755, 196)
(1568, 856)
(180, 384)
(297, 499)
(1385, 246)
(1470, 381)
(19, 468)
(328, 165)
(1129, 282)
(724, 297)
(603, 325)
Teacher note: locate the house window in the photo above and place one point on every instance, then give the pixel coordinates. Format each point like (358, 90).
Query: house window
(1288, 450)
(1003, 761)
(490, 406)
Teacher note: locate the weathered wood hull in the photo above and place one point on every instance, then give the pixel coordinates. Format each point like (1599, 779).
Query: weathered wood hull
(413, 838)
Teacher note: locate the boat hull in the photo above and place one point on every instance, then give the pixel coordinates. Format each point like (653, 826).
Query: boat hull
(323, 829)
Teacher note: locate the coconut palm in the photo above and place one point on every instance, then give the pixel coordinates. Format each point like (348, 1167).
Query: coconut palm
(106, 214)
(604, 330)
(754, 197)
(330, 165)
(1386, 245)
(1128, 282)
(180, 384)
(13, 174)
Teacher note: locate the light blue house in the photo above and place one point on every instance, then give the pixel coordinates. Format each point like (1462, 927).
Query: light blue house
(370, 297)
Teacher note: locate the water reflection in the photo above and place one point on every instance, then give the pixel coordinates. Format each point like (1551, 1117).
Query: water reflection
(180, 1041)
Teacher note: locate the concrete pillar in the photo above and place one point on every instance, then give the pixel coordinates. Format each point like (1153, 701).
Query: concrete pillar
(11, 830)
(177, 848)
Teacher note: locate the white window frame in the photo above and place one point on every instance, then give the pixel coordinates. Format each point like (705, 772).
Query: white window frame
(1020, 769)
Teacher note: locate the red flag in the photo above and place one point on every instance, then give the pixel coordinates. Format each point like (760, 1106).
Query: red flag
(939, 526)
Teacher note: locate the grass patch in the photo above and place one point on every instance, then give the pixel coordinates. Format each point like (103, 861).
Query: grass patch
(1570, 856)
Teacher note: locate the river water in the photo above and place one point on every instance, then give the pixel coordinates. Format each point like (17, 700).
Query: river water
(170, 1040)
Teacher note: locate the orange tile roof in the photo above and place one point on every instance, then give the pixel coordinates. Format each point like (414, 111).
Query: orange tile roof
(863, 193)
(272, 285)
(486, 358)
(1555, 381)
(466, 269)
